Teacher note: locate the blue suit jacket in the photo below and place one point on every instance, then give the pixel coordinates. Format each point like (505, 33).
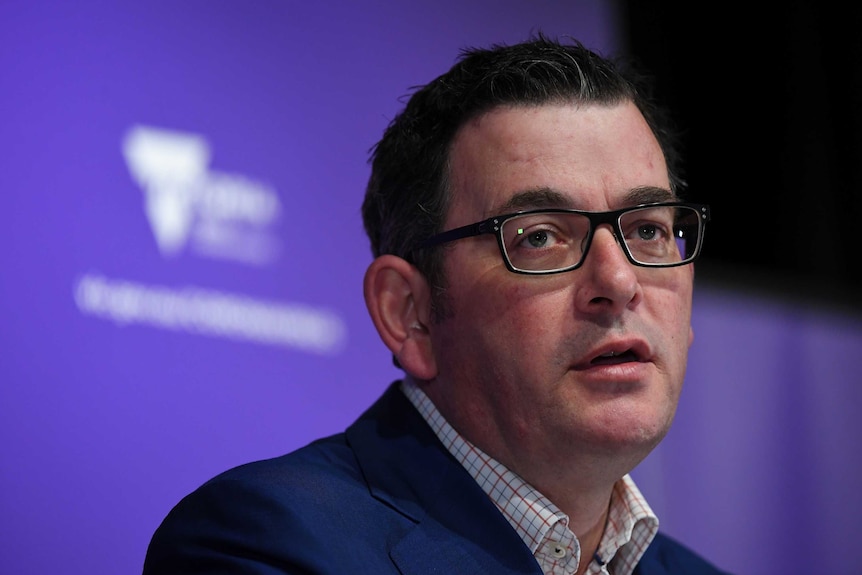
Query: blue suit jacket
(383, 497)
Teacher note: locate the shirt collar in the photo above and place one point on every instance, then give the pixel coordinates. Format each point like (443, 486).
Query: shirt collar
(631, 525)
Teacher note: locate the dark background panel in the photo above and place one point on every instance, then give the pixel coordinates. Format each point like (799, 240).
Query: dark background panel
(770, 106)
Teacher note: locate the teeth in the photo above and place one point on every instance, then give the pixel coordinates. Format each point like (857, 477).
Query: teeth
(609, 354)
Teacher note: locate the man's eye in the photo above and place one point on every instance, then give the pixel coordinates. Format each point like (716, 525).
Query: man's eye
(538, 239)
(647, 231)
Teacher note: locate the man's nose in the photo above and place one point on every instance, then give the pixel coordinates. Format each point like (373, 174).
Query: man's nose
(607, 279)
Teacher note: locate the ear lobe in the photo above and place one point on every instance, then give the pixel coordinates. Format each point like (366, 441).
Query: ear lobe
(398, 299)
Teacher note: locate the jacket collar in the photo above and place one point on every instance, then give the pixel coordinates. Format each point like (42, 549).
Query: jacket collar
(458, 529)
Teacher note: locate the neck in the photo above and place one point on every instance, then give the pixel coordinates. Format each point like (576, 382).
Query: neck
(587, 520)
(589, 541)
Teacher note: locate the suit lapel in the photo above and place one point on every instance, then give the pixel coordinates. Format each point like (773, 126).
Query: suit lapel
(458, 529)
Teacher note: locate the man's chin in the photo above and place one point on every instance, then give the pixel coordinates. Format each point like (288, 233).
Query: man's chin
(631, 441)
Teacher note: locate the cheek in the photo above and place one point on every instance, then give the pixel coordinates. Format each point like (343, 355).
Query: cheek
(511, 320)
(675, 299)
(669, 315)
(525, 308)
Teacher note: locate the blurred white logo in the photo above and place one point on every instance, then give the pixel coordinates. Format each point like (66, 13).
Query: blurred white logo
(216, 214)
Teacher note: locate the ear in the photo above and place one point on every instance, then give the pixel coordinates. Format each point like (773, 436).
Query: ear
(398, 299)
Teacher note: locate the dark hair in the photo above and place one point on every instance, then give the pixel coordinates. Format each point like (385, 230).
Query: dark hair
(407, 197)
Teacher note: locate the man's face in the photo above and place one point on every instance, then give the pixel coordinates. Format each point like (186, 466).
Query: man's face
(519, 371)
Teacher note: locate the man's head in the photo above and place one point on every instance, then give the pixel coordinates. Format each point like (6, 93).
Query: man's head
(562, 375)
(408, 194)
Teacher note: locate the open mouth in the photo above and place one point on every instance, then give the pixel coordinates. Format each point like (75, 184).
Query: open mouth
(615, 357)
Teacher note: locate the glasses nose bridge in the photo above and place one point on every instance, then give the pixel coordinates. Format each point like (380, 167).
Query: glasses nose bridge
(611, 220)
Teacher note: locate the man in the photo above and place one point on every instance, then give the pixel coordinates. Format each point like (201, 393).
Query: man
(533, 279)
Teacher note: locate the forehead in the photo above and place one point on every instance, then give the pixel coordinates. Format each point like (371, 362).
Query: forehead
(592, 157)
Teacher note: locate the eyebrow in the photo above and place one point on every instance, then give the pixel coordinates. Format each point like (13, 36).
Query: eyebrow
(536, 198)
(549, 198)
(649, 195)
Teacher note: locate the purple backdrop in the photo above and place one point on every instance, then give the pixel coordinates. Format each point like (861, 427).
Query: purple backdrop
(181, 284)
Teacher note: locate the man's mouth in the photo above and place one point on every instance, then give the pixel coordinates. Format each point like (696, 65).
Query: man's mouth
(615, 357)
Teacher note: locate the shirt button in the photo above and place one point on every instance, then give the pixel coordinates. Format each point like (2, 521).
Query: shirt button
(558, 550)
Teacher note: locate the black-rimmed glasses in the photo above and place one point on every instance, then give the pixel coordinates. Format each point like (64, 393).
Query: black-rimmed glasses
(550, 241)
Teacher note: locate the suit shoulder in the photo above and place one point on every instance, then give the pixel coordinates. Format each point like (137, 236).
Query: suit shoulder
(289, 484)
(247, 511)
(666, 555)
(326, 459)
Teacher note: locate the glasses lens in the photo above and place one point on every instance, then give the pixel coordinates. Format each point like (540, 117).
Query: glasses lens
(661, 235)
(546, 241)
